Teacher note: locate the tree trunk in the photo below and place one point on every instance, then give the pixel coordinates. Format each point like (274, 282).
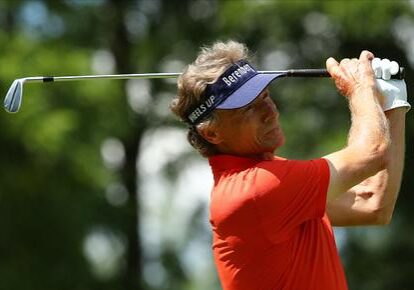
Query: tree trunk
(121, 49)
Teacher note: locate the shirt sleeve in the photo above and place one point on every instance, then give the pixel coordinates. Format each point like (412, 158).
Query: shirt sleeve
(288, 193)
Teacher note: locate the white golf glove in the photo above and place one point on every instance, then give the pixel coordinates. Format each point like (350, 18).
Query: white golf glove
(394, 91)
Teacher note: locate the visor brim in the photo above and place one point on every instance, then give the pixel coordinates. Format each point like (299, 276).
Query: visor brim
(248, 92)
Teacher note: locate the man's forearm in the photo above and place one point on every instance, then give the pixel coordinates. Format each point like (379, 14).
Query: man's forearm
(369, 133)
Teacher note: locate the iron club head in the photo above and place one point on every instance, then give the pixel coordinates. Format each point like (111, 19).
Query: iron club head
(14, 95)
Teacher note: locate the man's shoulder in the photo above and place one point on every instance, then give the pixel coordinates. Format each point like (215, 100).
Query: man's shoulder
(229, 168)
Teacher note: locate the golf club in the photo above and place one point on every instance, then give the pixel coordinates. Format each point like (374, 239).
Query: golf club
(13, 99)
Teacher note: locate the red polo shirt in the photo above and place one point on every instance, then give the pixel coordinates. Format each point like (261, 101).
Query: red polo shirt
(270, 230)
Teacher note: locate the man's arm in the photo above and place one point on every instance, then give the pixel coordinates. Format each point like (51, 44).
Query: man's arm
(372, 201)
(368, 142)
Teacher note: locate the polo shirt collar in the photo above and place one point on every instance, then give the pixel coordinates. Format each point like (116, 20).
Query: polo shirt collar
(220, 163)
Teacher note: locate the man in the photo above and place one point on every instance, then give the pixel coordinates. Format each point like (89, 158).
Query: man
(271, 217)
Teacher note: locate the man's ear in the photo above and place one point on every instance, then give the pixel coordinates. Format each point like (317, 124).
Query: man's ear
(209, 132)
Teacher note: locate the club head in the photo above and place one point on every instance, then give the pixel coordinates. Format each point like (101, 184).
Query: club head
(14, 96)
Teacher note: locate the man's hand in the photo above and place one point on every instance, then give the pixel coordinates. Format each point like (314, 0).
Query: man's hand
(352, 75)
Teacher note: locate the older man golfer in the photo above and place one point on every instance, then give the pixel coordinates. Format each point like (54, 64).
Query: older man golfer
(271, 217)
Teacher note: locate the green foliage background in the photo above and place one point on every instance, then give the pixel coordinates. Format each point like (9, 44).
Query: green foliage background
(53, 179)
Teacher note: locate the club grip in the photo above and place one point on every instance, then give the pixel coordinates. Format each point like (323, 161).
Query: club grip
(324, 73)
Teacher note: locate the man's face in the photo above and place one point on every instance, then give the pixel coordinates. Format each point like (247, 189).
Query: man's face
(251, 130)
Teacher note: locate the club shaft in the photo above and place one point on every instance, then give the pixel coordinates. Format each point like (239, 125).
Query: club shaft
(117, 76)
(46, 79)
(286, 73)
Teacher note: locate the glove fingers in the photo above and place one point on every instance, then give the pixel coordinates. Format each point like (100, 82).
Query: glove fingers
(386, 69)
(395, 68)
(376, 67)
